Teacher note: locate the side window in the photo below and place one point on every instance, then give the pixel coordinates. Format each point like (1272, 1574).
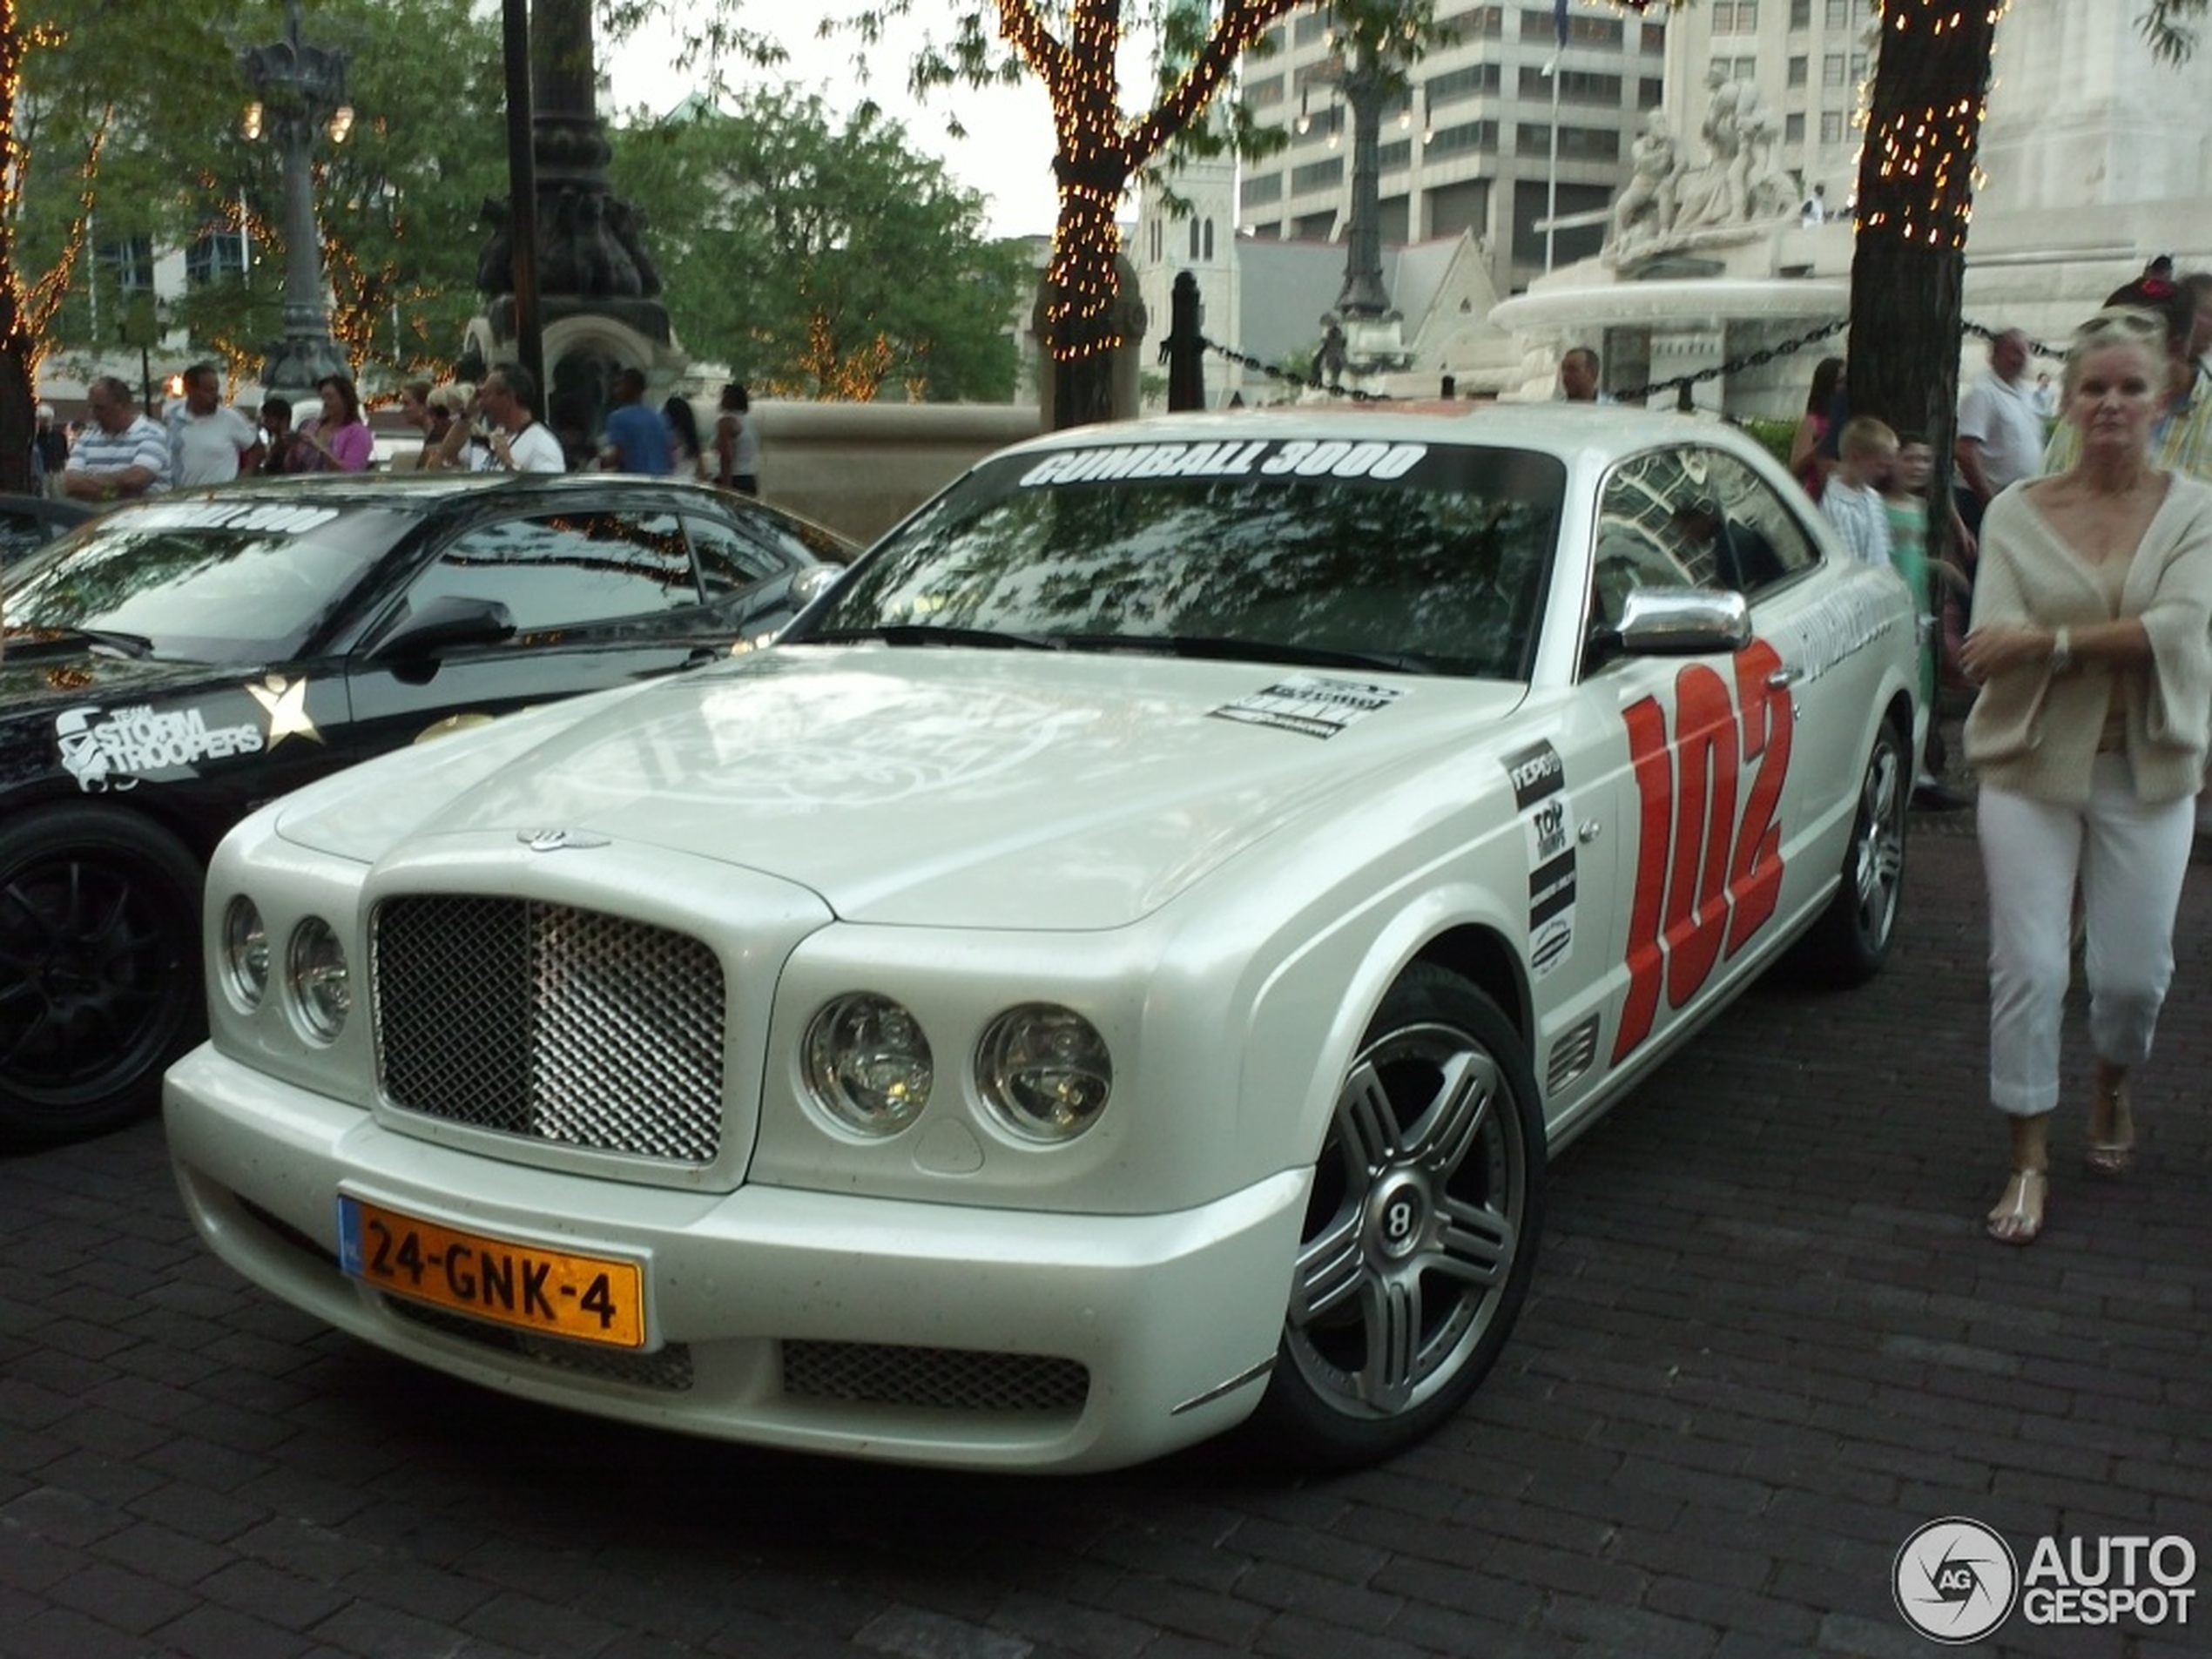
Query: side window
(568, 570)
(733, 558)
(1701, 513)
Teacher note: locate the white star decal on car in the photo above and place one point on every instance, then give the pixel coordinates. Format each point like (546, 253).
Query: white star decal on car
(286, 703)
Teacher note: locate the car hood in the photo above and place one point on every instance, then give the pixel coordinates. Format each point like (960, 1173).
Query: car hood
(926, 786)
(39, 677)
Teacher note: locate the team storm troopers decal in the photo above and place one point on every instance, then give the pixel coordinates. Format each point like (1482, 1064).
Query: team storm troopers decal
(1707, 875)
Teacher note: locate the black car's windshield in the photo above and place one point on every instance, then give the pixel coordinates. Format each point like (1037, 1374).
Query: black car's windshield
(1422, 557)
(207, 580)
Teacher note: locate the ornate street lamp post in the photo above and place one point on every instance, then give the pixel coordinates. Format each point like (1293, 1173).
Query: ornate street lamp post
(299, 90)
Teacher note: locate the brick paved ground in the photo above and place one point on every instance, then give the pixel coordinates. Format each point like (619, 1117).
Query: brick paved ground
(1768, 1341)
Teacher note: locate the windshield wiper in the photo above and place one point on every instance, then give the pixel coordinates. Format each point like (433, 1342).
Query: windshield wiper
(36, 637)
(1249, 650)
(908, 633)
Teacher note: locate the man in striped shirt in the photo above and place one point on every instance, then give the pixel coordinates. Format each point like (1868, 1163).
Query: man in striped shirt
(122, 455)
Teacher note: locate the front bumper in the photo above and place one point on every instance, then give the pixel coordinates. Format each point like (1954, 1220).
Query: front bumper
(863, 1327)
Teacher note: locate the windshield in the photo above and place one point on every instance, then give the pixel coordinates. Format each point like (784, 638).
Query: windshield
(207, 581)
(1429, 557)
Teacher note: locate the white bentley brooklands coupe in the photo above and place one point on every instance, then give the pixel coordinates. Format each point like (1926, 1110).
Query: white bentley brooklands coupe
(1115, 970)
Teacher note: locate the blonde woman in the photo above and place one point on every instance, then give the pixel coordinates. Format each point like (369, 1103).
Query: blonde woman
(2089, 740)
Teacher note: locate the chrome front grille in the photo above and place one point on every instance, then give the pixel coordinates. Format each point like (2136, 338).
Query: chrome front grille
(549, 1021)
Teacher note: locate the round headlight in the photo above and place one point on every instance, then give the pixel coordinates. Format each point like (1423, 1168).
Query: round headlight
(1045, 1071)
(243, 953)
(314, 968)
(868, 1063)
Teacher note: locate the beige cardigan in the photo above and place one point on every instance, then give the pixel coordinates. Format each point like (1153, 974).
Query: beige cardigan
(2032, 732)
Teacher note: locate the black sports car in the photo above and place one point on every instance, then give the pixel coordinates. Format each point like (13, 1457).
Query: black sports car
(191, 656)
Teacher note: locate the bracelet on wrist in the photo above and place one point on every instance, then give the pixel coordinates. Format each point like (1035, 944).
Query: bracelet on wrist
(2062, 650)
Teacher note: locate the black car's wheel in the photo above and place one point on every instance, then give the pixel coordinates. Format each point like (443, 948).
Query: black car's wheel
(1420, 1234)
(99, 969)
(1852, 939)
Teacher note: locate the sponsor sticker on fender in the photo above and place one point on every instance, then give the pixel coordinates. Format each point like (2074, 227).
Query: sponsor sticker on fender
(1538, 780)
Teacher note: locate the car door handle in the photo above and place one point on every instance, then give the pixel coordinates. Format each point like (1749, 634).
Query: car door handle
(1783, 678)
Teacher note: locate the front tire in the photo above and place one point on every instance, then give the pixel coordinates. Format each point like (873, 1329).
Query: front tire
(1420, 1235)
(99, 969)
(1852, 939)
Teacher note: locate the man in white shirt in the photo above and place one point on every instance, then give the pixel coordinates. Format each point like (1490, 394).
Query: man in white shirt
(2000, 436)
(122, 455)
(520, 442)
(209, 441)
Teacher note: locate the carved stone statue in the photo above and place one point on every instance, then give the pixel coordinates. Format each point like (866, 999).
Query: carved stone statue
(1718, 194)
(1647, 205)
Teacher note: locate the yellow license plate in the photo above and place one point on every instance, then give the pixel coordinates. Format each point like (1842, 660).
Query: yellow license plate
(555, 1293)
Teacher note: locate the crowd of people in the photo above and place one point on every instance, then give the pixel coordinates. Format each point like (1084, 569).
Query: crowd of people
(2076, 614)
(120, 452)
(2077, 617)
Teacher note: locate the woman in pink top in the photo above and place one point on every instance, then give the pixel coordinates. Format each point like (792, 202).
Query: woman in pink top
(341, 437)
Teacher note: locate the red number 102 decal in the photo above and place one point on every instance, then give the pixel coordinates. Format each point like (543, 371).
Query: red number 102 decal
(1707, 879)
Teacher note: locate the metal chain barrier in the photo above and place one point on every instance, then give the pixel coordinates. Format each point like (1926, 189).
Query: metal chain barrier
(1680, 385)
(1274, 372)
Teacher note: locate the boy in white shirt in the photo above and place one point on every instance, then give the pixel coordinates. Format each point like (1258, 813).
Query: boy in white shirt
(1852, 499)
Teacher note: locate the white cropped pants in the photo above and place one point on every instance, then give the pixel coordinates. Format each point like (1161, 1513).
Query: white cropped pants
(2129, 858)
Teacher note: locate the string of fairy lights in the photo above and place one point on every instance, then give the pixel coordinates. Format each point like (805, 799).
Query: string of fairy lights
(1922, 152)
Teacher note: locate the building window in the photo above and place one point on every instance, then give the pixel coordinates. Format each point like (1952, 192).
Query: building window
(1832, 70)
(215, 256)
(1799, 69)
(1800, 14)
(1575, 86)
(1472, 82)
(1478, 22)
(1469, 137)
(1207, 255)
(1317, 175)
(1578, 144)
(1396, 156)
(1306, 30)
(1839, 13)
(1793, 129)
(1260, 94)
(1832, 127)
(1260, 187)
(1747, 17)
(1581, 32)
(1651, 92)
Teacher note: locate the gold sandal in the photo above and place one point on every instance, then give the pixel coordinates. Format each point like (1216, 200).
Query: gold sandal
(2112, 1158)
(2019, 1215)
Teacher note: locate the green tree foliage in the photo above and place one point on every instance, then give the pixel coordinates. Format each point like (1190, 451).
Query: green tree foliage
(142, 126)
(821, 260)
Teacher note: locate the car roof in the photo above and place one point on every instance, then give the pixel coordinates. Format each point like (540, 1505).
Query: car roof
(424, 490)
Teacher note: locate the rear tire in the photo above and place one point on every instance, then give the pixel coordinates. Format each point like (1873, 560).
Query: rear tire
(1851, 941)
(99, 969)
(1420, 1235)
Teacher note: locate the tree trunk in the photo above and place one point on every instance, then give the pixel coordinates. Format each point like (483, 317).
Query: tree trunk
(18, 423)
(1908, 269)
